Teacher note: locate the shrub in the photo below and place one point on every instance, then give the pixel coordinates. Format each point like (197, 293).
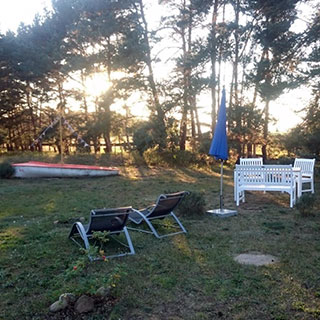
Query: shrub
(193, 204)
(170, 158)
(306, 203)
(136, 159)
(6, 170)
(142, 137)
(285, 160)
(205, 144)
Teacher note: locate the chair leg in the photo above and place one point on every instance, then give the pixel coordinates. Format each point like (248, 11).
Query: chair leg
(125, 230)
(78, 228)
(154, 231)
(308, 189)
(178, 222)
(147, 221)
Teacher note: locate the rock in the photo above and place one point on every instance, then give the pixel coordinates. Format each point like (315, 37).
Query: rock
(69, 297)
(64, 300)
(103, 292)
(84, 304)
(256, 258)
(58, 305)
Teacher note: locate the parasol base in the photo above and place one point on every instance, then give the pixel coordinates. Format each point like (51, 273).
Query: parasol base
(222, 213)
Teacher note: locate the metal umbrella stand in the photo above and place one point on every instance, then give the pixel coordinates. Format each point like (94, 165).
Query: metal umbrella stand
(219, 149)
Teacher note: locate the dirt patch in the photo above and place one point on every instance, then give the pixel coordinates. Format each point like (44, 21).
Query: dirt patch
(256, 259)
(102, 306)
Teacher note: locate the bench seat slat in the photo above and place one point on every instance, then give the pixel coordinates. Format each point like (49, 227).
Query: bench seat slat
(264, 187)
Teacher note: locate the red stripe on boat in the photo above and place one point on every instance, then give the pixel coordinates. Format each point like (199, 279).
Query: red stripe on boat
(61, 166)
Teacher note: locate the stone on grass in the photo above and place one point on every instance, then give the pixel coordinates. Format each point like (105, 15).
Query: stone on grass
(64, 300)
(103, 292)
(58, 305)
(256, 259)
(69, 297)
(84, 304)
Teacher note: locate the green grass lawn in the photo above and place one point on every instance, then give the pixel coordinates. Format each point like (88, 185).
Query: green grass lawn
(190, 276)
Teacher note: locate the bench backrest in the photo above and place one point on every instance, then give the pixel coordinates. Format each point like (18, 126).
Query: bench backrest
(306, 165)
(251, 161)
(266, 175)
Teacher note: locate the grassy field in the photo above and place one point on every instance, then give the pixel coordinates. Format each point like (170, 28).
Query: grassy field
(192, 276)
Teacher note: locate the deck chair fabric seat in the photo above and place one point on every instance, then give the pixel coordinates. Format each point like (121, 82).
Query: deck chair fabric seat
(163, 208)
(111, 220)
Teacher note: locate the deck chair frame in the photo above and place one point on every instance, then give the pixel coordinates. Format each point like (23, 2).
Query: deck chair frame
(159, 211)
(111, 220)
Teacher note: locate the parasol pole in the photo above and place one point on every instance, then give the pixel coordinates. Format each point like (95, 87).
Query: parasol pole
(221, 185)
(219, 149)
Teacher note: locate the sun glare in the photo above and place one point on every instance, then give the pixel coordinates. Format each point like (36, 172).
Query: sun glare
(97, 84)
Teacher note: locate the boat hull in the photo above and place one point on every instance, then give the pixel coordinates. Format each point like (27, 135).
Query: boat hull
(34, 169)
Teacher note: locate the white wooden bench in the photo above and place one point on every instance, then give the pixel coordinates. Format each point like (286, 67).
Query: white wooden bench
(264, 178)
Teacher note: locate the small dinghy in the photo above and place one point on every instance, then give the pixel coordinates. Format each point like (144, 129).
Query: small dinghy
(35, 169)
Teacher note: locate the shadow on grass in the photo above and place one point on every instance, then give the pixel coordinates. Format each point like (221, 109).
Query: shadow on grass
(192, 276)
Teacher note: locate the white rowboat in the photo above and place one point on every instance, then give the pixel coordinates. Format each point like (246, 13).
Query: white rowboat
(35, 169)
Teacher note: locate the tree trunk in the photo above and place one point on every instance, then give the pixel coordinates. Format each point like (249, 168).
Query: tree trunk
(33, 126)
(198, 124)
(235, 78)
(186, 47)
(161, 132)
(84, 98)
(265, 129)
(213, 57)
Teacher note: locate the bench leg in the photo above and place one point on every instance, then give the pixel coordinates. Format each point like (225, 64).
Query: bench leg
(243, 196)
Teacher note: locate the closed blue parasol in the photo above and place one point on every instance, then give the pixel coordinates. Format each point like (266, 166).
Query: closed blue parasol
(219, 149)
(219, 144)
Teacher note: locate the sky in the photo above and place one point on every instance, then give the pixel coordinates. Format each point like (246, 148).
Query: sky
(13, 12)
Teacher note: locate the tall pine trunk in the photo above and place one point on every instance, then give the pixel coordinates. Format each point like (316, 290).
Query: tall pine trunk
(213, 57)
(160, 116)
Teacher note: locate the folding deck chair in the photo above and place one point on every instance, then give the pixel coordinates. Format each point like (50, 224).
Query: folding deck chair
(111, 220)
(163, 208)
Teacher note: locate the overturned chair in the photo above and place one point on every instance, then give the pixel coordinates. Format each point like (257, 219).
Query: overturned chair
(113, 221)
(163, 208)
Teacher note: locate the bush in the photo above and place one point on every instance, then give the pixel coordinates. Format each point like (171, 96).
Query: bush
(6, 170)
(306, 203)
(168, 158)
(285, 160)
(205, 144)
(142, 137)
(136, 159)
(193, 204)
